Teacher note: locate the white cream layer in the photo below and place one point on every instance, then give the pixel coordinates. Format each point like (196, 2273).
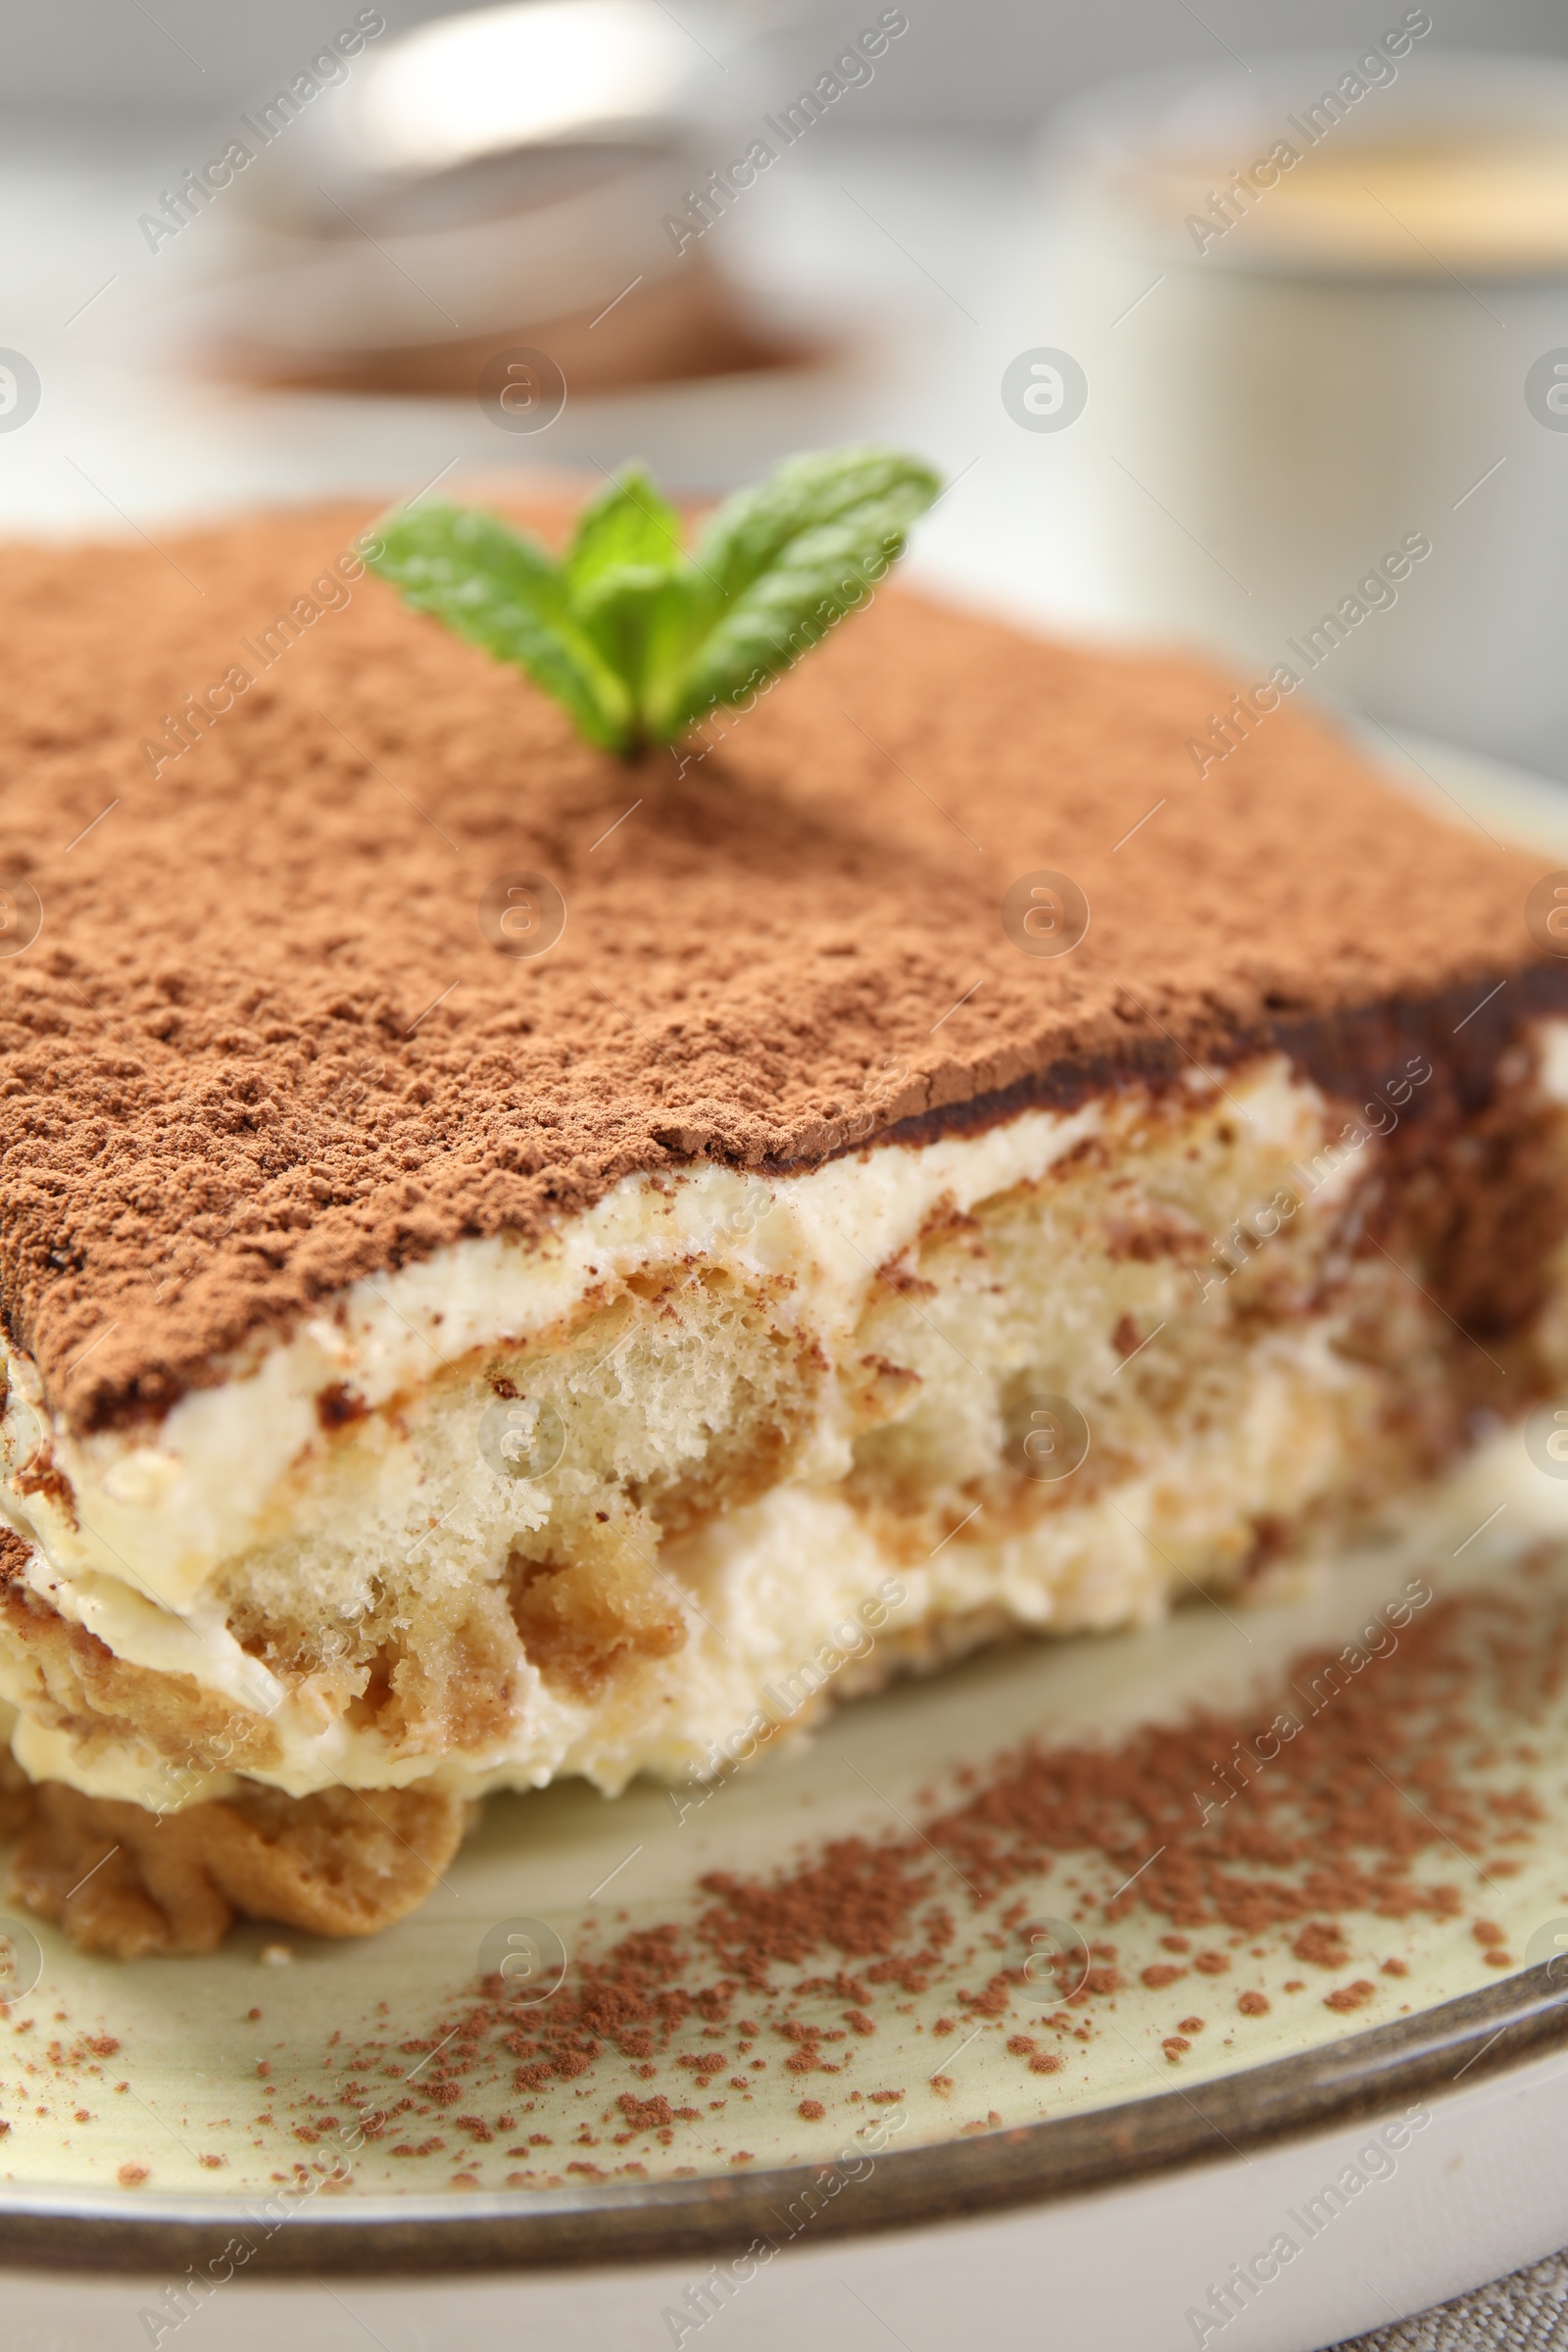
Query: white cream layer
(232, 1466)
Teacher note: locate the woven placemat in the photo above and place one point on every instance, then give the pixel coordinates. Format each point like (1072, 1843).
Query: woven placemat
(1525, 2313)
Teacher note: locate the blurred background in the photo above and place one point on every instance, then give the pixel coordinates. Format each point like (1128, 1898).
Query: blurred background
(1241, 326)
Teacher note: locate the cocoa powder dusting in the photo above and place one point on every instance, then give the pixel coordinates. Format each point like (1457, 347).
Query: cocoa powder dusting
(1365, 1811)
(262, 1044)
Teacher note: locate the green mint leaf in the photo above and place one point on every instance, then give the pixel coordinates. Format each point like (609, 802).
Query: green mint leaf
(503, 592)
(627, 524)
(629, 582)
(636, 637)
(781, 564)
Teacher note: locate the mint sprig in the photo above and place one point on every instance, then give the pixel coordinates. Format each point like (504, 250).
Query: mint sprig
(640, 637)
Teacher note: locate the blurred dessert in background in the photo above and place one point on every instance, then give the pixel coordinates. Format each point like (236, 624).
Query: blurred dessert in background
(494, 179)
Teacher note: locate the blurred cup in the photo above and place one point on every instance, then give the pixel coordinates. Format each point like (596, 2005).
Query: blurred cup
(1321, 308)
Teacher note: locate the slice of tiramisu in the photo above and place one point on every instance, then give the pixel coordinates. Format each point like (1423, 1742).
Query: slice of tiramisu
(520, 1260)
